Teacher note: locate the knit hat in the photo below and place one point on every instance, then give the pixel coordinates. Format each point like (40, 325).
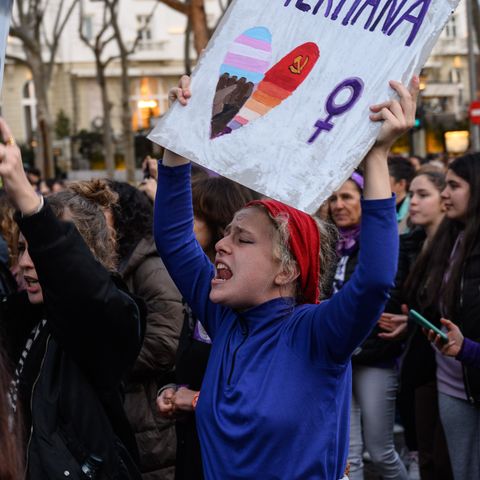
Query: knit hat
(304, 243)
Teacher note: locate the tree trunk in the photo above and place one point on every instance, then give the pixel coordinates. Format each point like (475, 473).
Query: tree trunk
(199, 25)
(44, 149)
(107, 124)
(129, 147)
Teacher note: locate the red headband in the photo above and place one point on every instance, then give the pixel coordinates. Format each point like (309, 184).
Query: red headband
(304, 243)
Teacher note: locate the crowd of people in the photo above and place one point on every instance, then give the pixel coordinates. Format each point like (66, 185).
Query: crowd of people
(189, 328)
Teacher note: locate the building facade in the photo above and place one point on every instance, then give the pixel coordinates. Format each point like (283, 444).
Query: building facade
(445, 95)
(154, 67)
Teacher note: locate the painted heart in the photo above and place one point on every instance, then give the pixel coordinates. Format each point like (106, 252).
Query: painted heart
(244, 66)
(276, 85)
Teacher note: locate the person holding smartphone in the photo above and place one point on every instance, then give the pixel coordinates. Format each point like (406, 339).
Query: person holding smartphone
(444, 284)
(417, 397)
(463, 349)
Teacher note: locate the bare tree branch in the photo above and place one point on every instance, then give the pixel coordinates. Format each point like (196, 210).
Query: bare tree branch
(27, 40)
(29, 26)
(21, 14)
(81, 26)
(97, 48)
(57, 33)
(181, 7)
(141, 30)
(58, 16)
(107, 41)
(224, 8)
(21, 61)
(195, 11)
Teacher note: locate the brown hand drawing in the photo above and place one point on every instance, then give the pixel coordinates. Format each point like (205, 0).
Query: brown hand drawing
(230, 95)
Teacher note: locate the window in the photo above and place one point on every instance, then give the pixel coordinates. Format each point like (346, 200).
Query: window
(148, 100)
(451, 27)
(29, 104)
(144, 29)
(87, 25)
(455, 76)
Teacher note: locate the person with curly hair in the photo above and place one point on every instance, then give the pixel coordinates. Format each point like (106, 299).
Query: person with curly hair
(81, 332)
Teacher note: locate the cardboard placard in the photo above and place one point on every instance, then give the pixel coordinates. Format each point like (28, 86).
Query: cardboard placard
(280, 98)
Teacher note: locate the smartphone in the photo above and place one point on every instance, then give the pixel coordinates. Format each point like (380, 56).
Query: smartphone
(423, 322)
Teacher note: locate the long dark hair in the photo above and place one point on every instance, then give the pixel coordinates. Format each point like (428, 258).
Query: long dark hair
(11, 445)
(132, 216)
(424, 285)
(215, 201)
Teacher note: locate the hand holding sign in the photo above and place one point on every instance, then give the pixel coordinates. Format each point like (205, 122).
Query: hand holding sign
(398, 116)
(181, 93)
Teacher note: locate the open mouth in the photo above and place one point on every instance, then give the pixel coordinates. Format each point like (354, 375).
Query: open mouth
(223, 273)
(31, 281)
(32, 284)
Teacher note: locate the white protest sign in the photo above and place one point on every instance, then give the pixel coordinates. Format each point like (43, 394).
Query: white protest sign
(280, 98)
(5, 9)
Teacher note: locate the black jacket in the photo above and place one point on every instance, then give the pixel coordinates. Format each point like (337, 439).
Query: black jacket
(467, 317)
(191, 364)
(418, 365)
(71, 380)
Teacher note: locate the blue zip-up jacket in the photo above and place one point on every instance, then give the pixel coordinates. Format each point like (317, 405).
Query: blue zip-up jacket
(275, 400)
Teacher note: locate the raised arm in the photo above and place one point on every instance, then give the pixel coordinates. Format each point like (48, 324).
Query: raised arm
(187, 264)
(181, 94)
(340, 324)
(398, 116)
(93, 320)
(353, 312)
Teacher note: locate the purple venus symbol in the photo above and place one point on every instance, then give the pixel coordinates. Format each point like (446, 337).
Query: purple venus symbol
(355, 85)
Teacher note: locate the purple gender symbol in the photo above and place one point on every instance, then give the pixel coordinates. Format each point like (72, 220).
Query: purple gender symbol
(355, 85)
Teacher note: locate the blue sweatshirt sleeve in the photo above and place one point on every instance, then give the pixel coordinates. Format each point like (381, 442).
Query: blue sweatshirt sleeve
(187, 264)
(469, 353)
(336, 327)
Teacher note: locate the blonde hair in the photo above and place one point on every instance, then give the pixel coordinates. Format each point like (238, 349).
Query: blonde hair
(283, 254)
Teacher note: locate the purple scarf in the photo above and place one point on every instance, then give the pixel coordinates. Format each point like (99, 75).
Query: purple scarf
(349, 236)
(348, 240)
